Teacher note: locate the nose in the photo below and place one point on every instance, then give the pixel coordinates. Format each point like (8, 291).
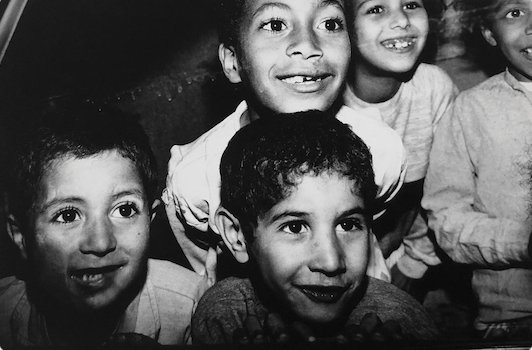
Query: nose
(98, 238)
(328, 256)
(304, 43)
(399, 19)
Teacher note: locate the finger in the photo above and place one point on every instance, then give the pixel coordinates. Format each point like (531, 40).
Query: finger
(303, 332)
(392, 330)
(210, 266)
(370, 323)
(341, 339)
(240, 336)
(254, 329)
(277, 329)
(354, 334)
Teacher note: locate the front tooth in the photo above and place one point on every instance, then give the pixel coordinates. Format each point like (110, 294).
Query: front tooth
(295, 80)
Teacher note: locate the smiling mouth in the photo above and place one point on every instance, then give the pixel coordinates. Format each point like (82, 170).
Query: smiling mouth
(323, 294)
(399, 44)
(527, 52)
(94, 276)
(303, 79)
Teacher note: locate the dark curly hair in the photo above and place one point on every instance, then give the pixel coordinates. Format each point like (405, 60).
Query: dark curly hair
(78, 132)
(266, 159)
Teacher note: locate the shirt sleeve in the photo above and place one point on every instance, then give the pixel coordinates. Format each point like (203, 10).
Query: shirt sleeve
(466, 233)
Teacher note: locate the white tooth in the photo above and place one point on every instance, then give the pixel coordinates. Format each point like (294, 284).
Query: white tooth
(295, 80)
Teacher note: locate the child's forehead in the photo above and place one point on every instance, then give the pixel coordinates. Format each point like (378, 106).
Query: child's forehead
(252, 7)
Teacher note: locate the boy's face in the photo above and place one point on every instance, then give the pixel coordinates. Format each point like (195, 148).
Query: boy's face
(312, 248)
(91, 226)
(510, 28)
(294, 54)
(389, 35)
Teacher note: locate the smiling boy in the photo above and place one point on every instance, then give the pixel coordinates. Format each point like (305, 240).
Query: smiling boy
(478, 187)
(297, 194)
(388, 37)
(82, 194)
(288, 56)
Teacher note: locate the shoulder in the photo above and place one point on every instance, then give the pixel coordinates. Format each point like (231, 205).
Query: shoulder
(227, 291)
(484, 97)
(222, 132)
(392, 303)
(12, 294)
(223, 309)
(174, 279)
(430, 78)
(367, 123)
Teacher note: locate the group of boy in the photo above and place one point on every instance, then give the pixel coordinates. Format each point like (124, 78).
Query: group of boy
(293, 193)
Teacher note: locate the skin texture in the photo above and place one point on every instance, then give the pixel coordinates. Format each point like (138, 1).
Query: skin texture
(91, 213)
(510, 28)
(316, 238)
(388, 37)
(293, 55)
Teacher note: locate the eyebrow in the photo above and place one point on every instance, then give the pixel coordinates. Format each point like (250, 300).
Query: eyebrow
(362, 3)
(74, 199)
(283, 6)
(293, 213)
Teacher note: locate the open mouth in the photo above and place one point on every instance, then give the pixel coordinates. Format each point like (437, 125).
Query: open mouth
(302, 79)
(399, 44)
(93, 276)
(323, 294)
(527, 52)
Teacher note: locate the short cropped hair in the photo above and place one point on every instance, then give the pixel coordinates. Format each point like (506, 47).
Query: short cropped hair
(229, 14)
(79, 133)
(266, 160)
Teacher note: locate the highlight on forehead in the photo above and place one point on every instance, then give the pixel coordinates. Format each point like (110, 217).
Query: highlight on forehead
(284, 5)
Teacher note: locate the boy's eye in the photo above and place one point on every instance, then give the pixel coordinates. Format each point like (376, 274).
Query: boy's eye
(413, 5)
(294, 227)
(67, 215)
(274, 25)
(125, 210)
(375, 10)
(514, 14)
(332, 25)
(351, 225)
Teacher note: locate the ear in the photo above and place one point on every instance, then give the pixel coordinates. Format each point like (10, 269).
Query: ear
(231, 231)
(230, 64)
(15, 233)
(154, 206)
(488, 35)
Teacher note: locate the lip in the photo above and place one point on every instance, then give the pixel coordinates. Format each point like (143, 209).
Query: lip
(323, 294)
(95, 278)
(305, 82)
(400, 44)
(527, 52)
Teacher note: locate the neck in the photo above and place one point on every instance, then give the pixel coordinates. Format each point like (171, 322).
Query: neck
(373, 88)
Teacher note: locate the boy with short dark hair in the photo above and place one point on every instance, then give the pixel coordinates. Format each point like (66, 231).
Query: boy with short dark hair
(297, 198)
(288, 56)
(82, 194)
(477, 190)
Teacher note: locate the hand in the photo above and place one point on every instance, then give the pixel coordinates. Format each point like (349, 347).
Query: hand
(372, 329)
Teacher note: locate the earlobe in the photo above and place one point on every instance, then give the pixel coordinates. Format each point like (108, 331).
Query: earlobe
(488, 35)
(231, 232)
(15, 233)
(230, 64)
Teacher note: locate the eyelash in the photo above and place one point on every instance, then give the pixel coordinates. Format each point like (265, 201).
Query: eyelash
(129, 205)
(58, 214)
(269, 22)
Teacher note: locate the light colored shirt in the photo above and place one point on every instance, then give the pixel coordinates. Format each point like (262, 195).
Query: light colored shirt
(162, 310)
(478, 193)
(414, 113)
(192, 191)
